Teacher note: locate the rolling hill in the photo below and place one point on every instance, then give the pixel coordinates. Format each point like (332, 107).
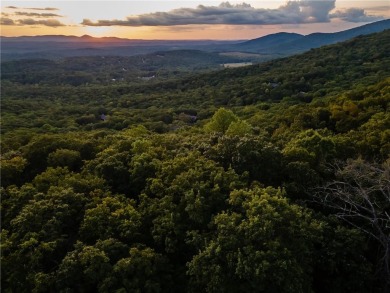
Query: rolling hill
(288, 44)
(301, 78)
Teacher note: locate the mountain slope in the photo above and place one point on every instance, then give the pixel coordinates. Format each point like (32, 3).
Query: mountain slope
(288, 44)
(320, 72)
(268, 41)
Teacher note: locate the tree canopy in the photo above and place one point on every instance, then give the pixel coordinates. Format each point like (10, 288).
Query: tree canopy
(268, 178)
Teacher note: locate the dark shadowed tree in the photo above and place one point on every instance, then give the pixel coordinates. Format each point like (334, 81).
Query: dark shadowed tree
(360, 195)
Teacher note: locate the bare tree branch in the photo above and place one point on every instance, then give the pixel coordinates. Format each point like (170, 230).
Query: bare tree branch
(360, 196)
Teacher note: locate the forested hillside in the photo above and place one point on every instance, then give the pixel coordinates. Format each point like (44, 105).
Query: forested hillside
(268, 178)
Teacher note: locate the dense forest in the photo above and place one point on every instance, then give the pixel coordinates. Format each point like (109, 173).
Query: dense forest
(273, 177)
(106, 70)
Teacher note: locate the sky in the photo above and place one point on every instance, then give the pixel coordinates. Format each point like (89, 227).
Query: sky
(203, 19)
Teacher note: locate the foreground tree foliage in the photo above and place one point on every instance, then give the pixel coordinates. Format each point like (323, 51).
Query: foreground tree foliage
(271, 250)
(270, 178)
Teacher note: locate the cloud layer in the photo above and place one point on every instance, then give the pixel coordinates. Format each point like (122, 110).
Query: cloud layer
(294, 12)
(46, 22)
(355, 15)
(6, 21)
(33, 8)
(30, 21)
(34, 14)
(9, 18)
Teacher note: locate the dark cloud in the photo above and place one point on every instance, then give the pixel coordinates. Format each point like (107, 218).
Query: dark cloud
(302, 11)
(355, 15)
(34, 14)
(45, 22)
(46, 8)
(34, 8)
(6, 21)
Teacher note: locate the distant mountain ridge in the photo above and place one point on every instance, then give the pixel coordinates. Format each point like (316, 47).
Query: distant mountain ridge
(290, 43)
(59, 46)
(107, 40)
(267, 47)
